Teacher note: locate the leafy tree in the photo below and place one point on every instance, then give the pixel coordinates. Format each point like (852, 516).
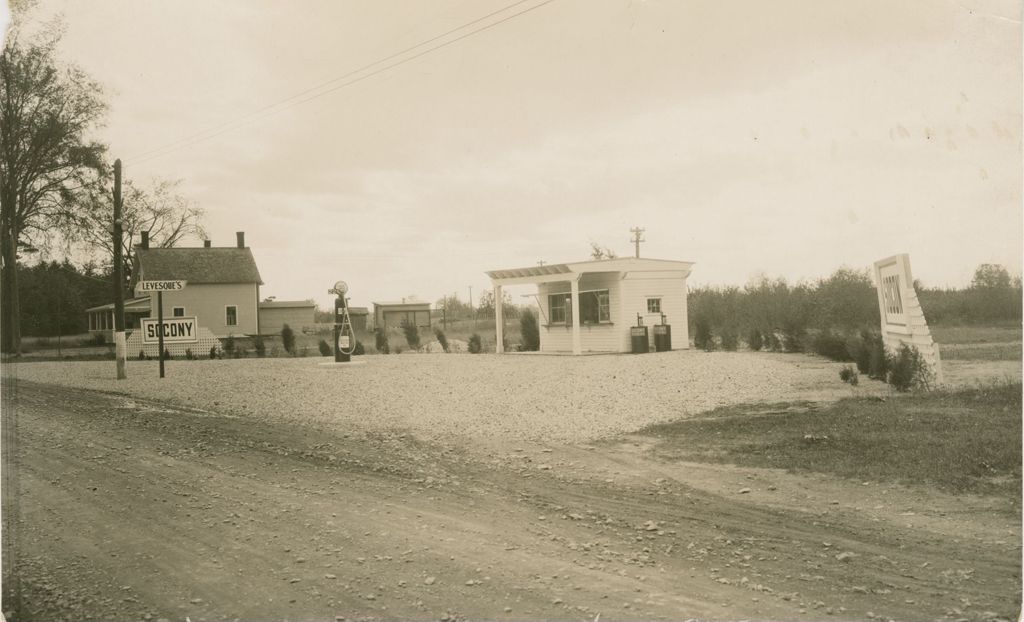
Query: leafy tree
(486, 306)
(455, 308)
(47, 110)
(54, 297)
(991, 276)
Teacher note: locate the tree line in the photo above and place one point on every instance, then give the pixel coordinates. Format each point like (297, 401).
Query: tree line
(845, 301)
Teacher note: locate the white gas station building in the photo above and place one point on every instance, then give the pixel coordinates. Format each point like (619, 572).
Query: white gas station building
(590, 306)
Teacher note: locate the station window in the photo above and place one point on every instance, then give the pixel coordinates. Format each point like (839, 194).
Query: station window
(178, 312)
(231, 316)
(594, 307)
(557, 305)
(654, 305)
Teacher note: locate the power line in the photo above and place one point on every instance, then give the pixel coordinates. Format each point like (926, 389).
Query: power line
(279, 106)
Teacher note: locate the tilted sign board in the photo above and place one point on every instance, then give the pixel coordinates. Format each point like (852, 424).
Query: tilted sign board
(147, 287)
(903, 321)
(176, 330)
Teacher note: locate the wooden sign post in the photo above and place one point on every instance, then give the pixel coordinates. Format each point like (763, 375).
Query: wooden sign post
(160, 287)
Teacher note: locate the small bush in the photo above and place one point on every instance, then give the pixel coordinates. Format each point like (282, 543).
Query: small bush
(830, 345)
(359, 350)
(474, 346)
(188, 354)
(908, 369)
(703, 338)
(261, 348)
(530, 331)
(794, 337)
(859, 348)
(380, 337)
(229, 345)
(848, 374)
(412, 335)
(730, 340)
(325, 348)
(441, 339)
(772, 341)
(142, 355)
(167, 355)
(288, 339)
(213, 352)
(878, 358)
(754, 340)
(98, 339)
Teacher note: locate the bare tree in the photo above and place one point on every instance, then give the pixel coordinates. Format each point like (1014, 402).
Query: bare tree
(601, 252)
(160, 210)
(46, 111)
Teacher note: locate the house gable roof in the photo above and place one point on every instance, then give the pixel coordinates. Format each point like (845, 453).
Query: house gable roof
(196, 265)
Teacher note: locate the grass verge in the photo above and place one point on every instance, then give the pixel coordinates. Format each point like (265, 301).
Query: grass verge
(967, 440)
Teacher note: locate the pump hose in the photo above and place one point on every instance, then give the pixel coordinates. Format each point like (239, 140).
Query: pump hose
(346, 321)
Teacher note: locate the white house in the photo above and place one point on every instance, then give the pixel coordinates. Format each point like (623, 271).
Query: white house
(590, 306)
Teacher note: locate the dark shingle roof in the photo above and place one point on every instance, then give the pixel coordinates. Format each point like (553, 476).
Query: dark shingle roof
(196, 265)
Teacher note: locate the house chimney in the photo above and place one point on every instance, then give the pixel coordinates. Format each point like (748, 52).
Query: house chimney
(206, 243)
(241, 239)
(145, 240)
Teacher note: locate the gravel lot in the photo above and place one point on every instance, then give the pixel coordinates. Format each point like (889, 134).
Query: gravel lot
(530, 397)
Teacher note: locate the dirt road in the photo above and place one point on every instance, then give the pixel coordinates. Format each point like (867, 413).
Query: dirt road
(135, 510)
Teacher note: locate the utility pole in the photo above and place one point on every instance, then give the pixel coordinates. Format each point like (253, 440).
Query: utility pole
(119, 344)
(637, 232)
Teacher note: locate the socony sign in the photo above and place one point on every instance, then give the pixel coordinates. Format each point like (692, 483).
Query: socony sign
(176, 330)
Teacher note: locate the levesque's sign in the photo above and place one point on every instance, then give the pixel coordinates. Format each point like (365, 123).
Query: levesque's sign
(143, 287)
(175, 329)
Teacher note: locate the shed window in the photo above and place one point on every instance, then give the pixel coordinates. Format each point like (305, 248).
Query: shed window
(231, 316)
(654, 305)
(178, 312)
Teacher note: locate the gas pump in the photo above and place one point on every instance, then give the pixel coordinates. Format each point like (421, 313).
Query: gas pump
(344, 338)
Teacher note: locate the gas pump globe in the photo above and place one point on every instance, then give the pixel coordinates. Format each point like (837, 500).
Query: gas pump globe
(344, 339)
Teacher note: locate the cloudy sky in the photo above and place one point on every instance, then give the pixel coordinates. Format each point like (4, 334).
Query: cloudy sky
(786, 138)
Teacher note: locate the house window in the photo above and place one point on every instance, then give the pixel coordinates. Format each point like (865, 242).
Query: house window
(594, 307)
(654, 305)
(178, 312)
(557, 306)
(231, 316)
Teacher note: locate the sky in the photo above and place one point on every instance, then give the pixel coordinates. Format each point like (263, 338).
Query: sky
(786, 138)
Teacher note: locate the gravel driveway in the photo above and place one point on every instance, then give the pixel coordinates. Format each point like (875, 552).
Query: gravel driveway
(530, 397)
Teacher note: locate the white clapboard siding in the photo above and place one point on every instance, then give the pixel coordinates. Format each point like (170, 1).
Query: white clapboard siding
(637, 287)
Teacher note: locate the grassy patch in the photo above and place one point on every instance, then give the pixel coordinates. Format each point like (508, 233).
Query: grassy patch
(981, 352)
(967, 440)
(975, 334)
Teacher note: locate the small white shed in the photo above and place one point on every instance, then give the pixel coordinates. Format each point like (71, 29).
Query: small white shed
(590, 306)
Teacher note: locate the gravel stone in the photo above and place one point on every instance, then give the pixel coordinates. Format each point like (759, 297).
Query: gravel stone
(439, 396)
